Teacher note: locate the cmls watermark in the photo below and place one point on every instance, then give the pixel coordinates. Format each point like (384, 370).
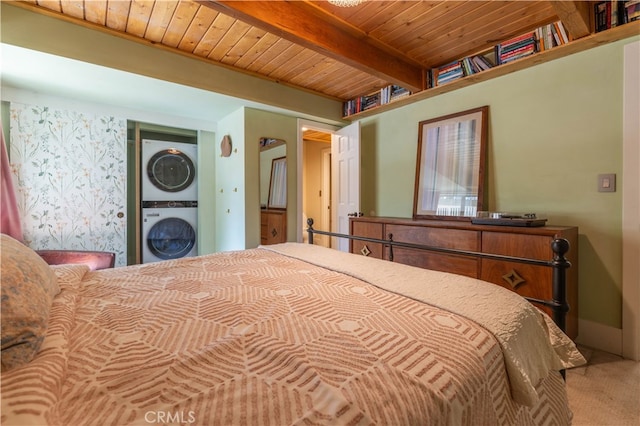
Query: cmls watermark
(168, 417)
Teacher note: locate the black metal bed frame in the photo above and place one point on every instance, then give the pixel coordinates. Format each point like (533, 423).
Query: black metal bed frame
(559, 265)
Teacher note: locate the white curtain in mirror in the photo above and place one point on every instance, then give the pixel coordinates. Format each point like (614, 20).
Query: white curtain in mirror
(451, 161)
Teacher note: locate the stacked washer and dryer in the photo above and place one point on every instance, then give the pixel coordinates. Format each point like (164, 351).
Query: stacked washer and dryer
(169, 200)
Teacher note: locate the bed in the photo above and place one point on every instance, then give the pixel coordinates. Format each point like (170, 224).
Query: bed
(276, 335)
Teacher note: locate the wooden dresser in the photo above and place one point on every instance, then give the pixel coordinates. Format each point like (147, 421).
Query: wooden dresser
(529, 242)
(273, 226)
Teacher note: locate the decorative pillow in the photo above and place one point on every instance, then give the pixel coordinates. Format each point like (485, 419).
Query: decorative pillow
(28, 288)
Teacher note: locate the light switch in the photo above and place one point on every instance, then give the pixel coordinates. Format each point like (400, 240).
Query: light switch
(607, 182)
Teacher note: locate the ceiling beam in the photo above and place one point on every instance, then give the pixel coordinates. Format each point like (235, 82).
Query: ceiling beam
(310, 26)
(575, 16)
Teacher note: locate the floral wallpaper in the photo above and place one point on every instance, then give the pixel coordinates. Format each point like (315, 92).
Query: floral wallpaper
(70, 174)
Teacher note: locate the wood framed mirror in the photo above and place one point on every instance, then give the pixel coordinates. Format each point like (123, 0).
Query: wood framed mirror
(278, 184)
(451, 162)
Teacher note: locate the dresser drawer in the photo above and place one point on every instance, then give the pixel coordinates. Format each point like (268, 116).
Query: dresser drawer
(368, 230)
(273, 227)
(462, 265)
(458, 239)
(517, 245)
(526, 280)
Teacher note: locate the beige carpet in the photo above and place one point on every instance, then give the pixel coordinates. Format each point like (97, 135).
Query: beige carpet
(605, 392)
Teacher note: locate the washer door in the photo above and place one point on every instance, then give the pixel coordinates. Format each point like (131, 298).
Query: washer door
(171, 170)
(171, 238)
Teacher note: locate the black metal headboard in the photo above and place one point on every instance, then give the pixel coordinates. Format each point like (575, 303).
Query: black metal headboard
(559, 264)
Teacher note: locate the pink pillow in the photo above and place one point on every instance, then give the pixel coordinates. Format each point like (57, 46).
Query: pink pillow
(28, 288)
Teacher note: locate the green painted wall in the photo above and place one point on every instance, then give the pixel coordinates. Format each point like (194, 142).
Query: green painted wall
(207, 150)
(552, 129)
(230, 219)
(268, 124)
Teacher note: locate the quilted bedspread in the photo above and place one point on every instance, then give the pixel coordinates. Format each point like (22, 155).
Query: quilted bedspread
(260, 337)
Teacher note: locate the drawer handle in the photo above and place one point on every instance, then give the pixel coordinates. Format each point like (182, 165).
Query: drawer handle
(365, 250)
(513, 279)
(274, 232)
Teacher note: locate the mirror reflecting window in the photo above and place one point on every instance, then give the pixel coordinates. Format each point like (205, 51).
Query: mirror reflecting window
(270, 149)
(451, 162)
(278, 184)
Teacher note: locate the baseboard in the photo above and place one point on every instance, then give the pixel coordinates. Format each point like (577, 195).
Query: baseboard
(599, 336)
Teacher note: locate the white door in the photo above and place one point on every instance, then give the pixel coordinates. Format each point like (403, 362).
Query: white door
(345, 158)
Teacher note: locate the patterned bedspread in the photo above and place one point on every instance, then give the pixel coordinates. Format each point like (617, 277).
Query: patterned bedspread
(256, 337)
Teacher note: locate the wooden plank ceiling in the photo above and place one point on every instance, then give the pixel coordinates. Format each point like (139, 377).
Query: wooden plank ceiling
(341, 52)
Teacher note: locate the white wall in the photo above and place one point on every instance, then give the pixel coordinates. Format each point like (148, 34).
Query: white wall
(230, 185)
(12, 94)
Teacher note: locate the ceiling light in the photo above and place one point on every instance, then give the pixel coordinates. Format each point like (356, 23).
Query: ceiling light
(345, 3)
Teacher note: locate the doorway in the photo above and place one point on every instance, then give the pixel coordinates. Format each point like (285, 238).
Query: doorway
(310, 191)
(316, 182)
(342, 176)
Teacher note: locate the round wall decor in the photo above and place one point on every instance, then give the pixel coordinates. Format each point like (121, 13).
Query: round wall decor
(225, 146)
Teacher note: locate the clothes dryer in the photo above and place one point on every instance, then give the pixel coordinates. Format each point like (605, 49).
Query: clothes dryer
(169, 171)
(169, 230)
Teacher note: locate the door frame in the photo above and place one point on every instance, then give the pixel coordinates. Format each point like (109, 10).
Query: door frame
(303, 125)
(326, 198)
(631, 204)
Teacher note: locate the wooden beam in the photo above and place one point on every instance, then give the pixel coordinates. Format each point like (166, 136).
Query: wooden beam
(307, 25)
(575, 15)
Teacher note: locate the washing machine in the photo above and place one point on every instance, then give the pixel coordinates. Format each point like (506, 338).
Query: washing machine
(169, 171)
(169, 230)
